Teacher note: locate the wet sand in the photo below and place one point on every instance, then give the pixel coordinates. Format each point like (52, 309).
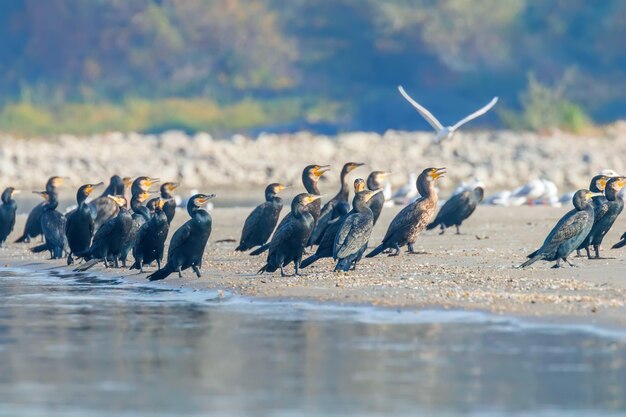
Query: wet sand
(473, 271)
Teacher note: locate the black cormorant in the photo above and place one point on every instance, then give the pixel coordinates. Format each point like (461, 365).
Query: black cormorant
(328, 213)
(375, 182)
(79, 227)
(597, 185)
(351, 240)
(52, 226)
(568, 233)
(607, 214)
(32, 228)
(151, 238)
(412, 219)
(188, 242)
(458, 208)
(109, 238)
(310, 177)
(7, 213)
(140, 216)
(260, 224)
(170, 204)
(287, 244)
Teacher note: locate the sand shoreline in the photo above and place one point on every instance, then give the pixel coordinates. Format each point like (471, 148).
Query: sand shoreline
(474, 271)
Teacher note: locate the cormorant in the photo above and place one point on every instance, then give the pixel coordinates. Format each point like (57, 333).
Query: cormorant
(7, 213)
(79, 227)
(458, 208)
(52, 226)
(287, 244)
(327, 214)
(310, 177)
(597, 185)
(260, 224)
(103, 208)
(351, 240)
(188, 243)
(140, 216)
(109, 238)
(412, 219)
(621, 243)
(568, 233)
(170, 204)
(151, 238)
(375, 182)
(32, 228)
(608, 213)
(327, 245)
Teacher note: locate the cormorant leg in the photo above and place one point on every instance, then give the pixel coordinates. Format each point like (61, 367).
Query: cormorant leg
(296, 265)
(596, 248)
(588, 252)
(196, 270)
(116, 262)
(578, 253)
(410, 246)
(558, 264)
(395, 247)
(158, 264)
(458, 229)
(443, 230)
(180, 272)
(106, 264)
(412, 251)
(70, 260)
(569, 263)
(282, 273)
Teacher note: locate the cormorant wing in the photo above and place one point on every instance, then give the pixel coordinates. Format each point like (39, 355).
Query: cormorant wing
(568, 227)
(105, 229)
(253, 220)
(422, 110)
(455, 204)
(476, 114)
(180, 237)
(351, 237)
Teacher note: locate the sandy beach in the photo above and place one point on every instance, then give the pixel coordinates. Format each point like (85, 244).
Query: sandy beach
(473, 271)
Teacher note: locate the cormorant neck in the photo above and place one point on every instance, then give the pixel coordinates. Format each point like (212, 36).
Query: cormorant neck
(344, 191)
(372, 184)
(135, 203)
(166, 194)
(611, 193)
(310, 186)
(81, 197)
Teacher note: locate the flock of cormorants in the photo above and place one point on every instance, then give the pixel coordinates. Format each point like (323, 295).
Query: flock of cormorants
(125, 219)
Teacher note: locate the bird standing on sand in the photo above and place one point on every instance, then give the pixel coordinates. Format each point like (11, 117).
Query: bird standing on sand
(568, 233)
(287, 244)
(605, 216)
(457, 209)
(32, 228)
(375, 182)
(170, 203)
(52, 226)
(445, 132)
(103, 208)
(79, 227)
(140, 215)
(310, 177)
(328, 212)
(621, 243)
(351, 240)
(597, 186)
(260, 224)
(189, 241)
(412, 219)
(151, 238)
(7, 213)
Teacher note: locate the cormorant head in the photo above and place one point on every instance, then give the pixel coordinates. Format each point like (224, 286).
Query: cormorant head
(143, 183)
(613, 187)
(303, 200)
(359, 185)
(85, 190)
(350, 166)
(198, 200)
(55, 182)
(598, 183)
(8, 194)
(274, 188)
(168, 187)
(376, 179)
(119, 200)
(363, 197)
(314, 172)
(582, 198)
(433, 174)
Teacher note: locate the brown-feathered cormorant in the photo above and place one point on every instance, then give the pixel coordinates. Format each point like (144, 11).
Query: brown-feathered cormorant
(568, 233)
(52, 226)
(260, 224)
(607, 214)
(109, 238)
(457, 209)
(327, 245)
(7, 213)
(79, 227)
(412, 219)
(351, 240)
(188, 243)
(103, 208)
(310, 177)
(287, 244)
(375, 182)
(32, 228)
(151, 238)
(328, 212)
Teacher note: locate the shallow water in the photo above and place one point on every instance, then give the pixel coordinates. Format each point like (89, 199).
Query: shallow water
(82, 346)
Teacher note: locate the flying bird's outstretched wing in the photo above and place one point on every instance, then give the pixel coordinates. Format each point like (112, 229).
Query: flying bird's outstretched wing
(476, 114)
(422, 110)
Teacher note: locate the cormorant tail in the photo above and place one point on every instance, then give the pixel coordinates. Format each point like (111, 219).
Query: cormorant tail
(160, 274)
(22, 239)
(619, 244)
(432, 225)
(376, 251)
(532, 255)
(260, 250)
(308, 261)
(241, 248)
(531, 261)
(39, 248)
(87, 265)
(343, 265)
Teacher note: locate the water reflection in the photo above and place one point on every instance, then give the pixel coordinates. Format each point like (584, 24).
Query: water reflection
(83, 345)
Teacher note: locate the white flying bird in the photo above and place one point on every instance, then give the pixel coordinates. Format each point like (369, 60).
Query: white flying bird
(448, 131)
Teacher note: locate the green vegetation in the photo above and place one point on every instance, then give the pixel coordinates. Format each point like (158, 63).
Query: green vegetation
(232, 65)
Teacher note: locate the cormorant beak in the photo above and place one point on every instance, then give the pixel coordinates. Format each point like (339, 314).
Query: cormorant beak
(371, 194)
(621, 182)
(591, 195)
(354, 165)
(16, 192)
(205, 197)
(281, 187)
(43, 194)
(92, 187)
(437, 173)
(172, 186)
(321, 170)
(150, 181)
(311, 198)
(127, 181)
(385, 174)
(58, 181)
